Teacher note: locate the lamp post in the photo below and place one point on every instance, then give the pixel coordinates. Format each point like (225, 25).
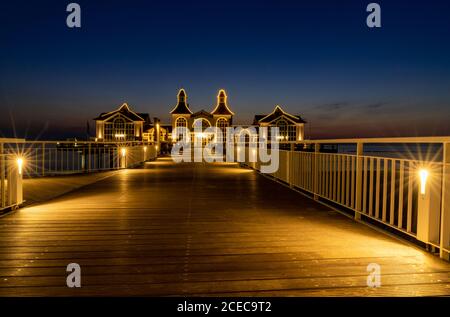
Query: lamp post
(123, 157)
(429, 199)
(15, 181)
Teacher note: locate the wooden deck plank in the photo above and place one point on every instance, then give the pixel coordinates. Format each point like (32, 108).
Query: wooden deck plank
(197, 229)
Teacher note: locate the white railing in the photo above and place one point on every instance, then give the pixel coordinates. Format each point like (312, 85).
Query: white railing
(407, 196)
(24, 159)
(47, 158)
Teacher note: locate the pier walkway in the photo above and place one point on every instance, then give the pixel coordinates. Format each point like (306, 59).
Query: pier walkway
(203, 229)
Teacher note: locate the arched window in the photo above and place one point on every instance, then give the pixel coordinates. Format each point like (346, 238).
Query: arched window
(222, 125)
(122, 129)
(283, 132)
(181, 123)
(119, 128)
(243, 136)
(203, 123)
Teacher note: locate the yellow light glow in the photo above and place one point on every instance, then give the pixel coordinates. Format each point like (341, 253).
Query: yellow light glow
(423, 173)
(156, 147)
(20, 165)
(124, 151)
(145, 149)
(157, 126)
(222, 100)
(119, 135)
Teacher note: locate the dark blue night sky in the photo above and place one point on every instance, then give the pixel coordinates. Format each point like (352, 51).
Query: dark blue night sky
(315, 58)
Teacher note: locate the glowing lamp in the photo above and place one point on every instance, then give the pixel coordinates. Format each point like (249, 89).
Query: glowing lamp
(423, 174)
(145, 149)
(123, 151)
(20, 165)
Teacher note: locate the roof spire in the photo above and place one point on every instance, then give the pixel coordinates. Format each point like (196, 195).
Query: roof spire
(182, 97)
(222, 105)
(222, 97)
(182, 106)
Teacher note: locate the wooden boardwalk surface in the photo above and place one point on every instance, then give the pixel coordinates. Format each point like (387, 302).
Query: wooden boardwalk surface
(171, 229)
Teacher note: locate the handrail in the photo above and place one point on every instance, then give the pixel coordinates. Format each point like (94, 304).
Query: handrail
(46, 158)
(373, 156)
(21, 141)
(427, 139)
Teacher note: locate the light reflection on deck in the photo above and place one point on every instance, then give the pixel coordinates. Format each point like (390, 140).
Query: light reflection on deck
(203, 229)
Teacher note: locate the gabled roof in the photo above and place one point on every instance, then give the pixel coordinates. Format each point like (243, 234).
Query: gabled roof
(182, 106)
(202, 113)
(275, 114)
(125, 110)
(222, 106)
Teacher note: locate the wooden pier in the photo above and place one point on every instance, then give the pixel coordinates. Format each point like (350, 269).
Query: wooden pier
(203, 229)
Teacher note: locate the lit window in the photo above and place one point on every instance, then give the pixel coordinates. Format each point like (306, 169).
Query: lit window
(222, 124)
(181, 123)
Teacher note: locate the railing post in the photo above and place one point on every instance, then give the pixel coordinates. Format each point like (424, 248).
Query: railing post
(15, 185)
(123, 158)
(316, 170)
(144, 152)
(43, 159)
(429, 206)
(83, 160)
(445, 207)
(359, 174)
(2, 177)
(118, 156)
(288, 159)
(89, 157)
(290, 164)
